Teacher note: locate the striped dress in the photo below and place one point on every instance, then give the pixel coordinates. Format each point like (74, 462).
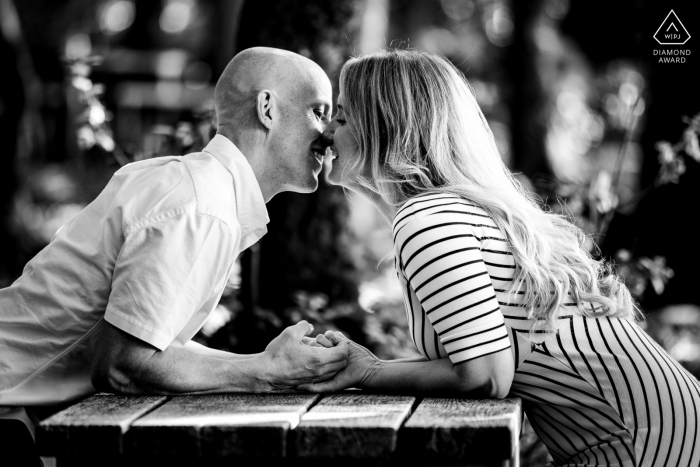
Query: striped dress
(598, 391)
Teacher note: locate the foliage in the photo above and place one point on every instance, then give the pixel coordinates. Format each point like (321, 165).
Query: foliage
(594, 204)
(677, 329)
(670, 155)
(642, 271)
(90, 115)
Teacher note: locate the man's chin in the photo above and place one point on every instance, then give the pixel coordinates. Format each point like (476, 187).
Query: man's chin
(309, 186)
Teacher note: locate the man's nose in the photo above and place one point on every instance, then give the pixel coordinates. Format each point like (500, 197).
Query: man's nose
(327, 135)
(325, 141)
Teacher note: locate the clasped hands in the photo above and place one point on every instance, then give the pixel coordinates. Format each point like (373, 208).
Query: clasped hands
(327, 363)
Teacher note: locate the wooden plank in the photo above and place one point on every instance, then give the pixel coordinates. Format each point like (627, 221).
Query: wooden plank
(463, 429)
(93, 426)
(219, 425)
(352, 425)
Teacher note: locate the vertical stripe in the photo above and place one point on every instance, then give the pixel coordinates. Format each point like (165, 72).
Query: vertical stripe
(622, 372)
(658, 393)
(640, 383)
(607, 372)
(673, 373)
(585, 360)
(436, 344)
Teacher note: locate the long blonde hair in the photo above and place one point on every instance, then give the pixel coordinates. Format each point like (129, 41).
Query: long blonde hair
(420, 130)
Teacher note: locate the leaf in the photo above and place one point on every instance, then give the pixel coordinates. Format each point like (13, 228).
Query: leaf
(658, 284)
(692, 147)
(666, 152)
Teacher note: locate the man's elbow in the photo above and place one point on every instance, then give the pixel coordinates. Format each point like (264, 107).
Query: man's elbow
(117, 375)
(108, 377)
(118, 362)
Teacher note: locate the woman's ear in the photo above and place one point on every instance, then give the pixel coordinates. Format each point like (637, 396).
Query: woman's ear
(265, 107)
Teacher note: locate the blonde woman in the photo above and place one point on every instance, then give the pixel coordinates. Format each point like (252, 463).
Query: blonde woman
(501, 296)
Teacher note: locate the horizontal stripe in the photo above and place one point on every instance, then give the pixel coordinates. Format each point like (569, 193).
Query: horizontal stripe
(482, 355)
(468, 321)
(497, 252)
(477, 345)
(509, 266)
(470, 335)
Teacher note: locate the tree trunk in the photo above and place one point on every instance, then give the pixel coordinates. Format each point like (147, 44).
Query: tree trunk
(11, 108)
(527, 104)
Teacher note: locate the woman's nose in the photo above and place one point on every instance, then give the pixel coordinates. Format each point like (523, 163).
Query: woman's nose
(327, 134)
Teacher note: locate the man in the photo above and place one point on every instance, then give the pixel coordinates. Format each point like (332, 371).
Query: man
(112, 302)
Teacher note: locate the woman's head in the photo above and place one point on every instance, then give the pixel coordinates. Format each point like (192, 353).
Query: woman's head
(416, 125)
(409, 123)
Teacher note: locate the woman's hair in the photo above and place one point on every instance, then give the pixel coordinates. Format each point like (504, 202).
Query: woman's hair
(420, 130)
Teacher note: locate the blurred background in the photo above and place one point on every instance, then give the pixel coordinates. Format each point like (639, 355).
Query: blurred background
(579, 104)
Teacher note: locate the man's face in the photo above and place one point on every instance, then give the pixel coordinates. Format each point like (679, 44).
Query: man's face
(299, 147)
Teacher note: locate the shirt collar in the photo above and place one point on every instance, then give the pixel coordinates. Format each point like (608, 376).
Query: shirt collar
(250, 204)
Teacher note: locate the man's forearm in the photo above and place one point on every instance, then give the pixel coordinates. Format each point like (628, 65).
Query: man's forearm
(178, 370)
(205, 351)
(124, 364)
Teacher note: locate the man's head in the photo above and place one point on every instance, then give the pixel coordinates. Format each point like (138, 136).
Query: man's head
(274, 105)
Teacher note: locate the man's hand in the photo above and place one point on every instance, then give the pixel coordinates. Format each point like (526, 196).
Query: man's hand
(289, 360)
(361, 365)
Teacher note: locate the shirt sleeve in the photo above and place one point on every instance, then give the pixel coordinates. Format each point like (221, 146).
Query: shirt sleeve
(165, 272)
(442, 261)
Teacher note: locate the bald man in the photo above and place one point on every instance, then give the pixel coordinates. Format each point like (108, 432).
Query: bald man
(113, 301)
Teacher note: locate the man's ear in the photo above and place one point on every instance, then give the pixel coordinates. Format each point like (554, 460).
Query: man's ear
(265, 107)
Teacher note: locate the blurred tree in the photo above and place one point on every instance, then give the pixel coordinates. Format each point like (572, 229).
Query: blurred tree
(661, 224)
(302, 268)
(11, 108)
(528, 99)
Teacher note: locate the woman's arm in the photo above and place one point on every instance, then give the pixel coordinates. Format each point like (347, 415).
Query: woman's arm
(486, 377)
(439, 254)
(489, 376)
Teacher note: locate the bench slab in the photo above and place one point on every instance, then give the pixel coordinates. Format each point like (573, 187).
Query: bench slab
(456, 429)
(352, 425)
(94, 426)
(219, 425)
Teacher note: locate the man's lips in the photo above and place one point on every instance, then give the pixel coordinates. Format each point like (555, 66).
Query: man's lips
(319, 154)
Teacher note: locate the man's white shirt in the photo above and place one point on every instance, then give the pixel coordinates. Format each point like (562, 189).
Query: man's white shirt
(151, 255)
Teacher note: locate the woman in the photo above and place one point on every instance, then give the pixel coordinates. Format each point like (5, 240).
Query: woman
(501, 296)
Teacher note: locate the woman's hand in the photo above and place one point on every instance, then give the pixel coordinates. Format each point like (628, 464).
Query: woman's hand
(361, 365)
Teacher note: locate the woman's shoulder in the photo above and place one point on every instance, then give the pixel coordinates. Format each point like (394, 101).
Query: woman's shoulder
(435, 208)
